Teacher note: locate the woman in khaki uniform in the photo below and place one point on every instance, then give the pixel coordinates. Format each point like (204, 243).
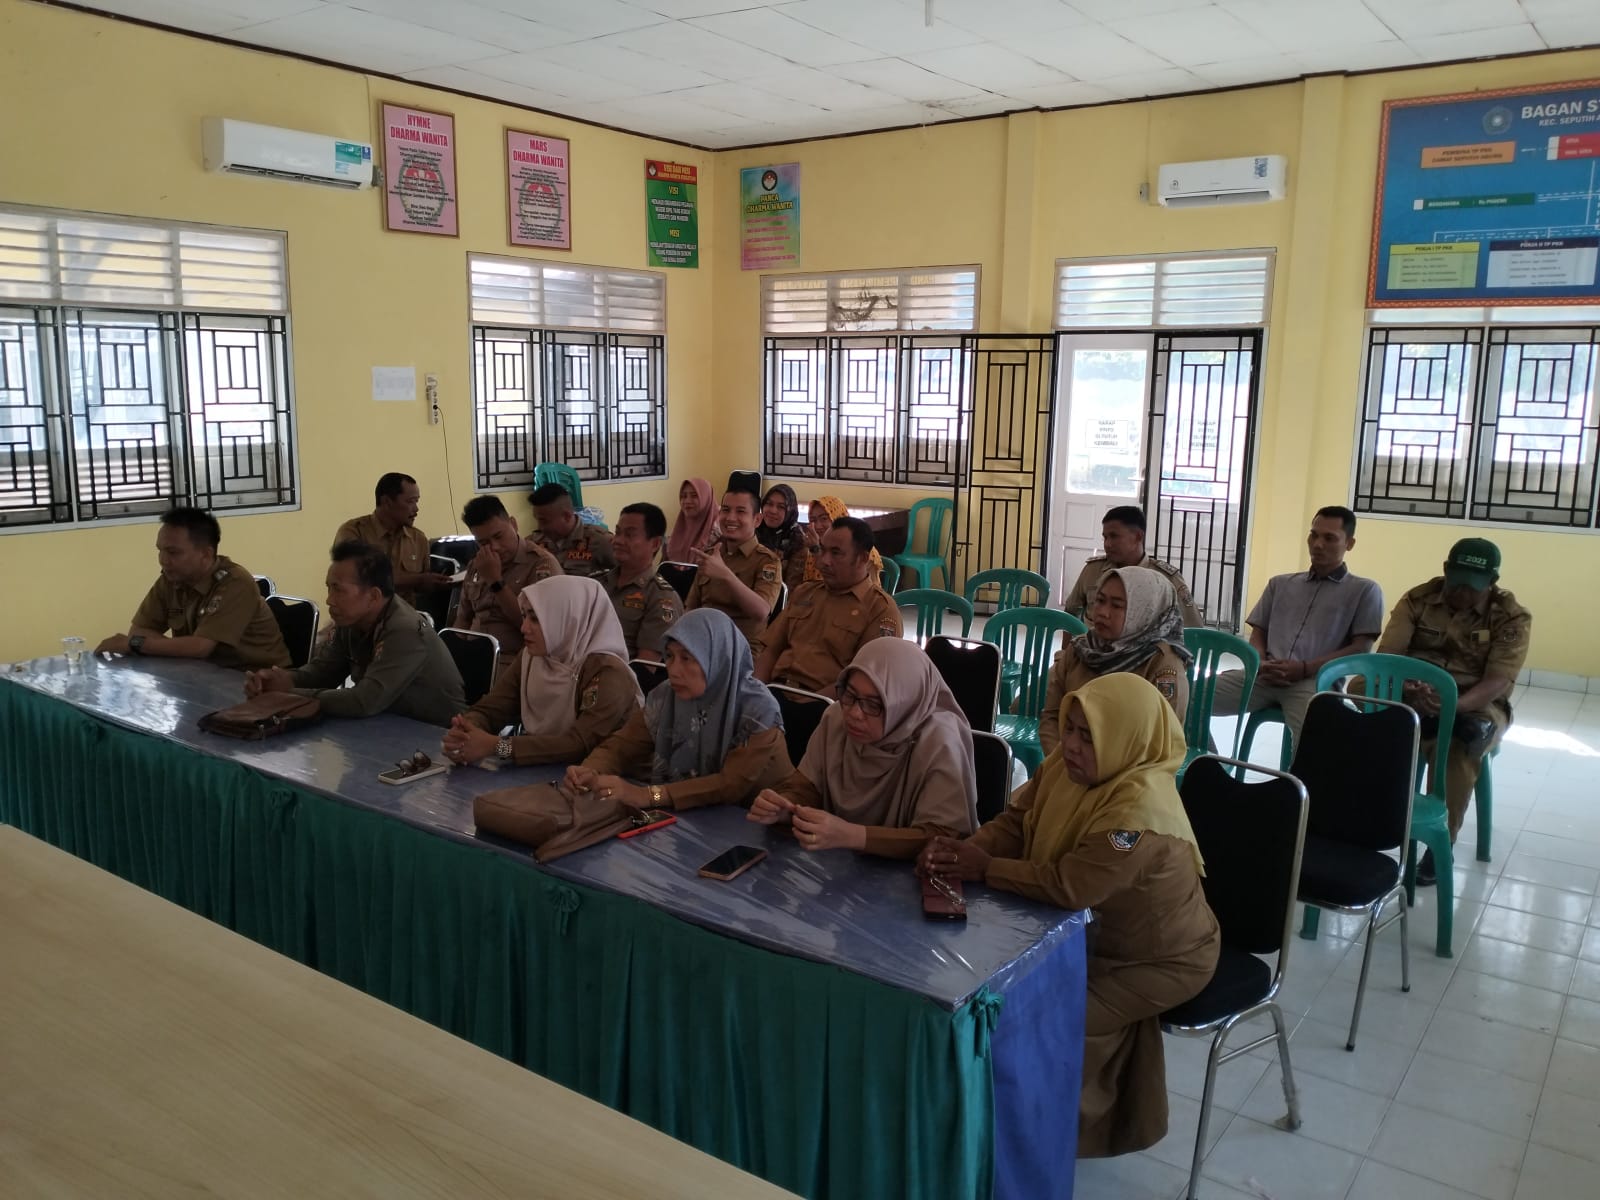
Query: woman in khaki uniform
(889, 765)
(1135, 625)
(571, 687)
(712, 734)
(1101, 827)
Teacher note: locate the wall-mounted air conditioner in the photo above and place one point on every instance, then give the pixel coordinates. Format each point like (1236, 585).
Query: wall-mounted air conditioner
(245, 149)
(1222, 181)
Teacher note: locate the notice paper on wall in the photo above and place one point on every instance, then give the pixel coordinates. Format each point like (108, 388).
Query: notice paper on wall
(394, 383)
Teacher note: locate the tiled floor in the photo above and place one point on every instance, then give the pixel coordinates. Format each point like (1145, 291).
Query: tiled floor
(1484, 1080)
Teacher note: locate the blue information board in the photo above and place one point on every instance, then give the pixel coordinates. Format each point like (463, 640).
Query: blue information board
(1489, 197)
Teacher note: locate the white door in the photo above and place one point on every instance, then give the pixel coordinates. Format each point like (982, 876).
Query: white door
(1096, 457)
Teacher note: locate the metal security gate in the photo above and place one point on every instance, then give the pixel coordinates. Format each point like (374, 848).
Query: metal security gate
(1003, 492)
(1204, 396)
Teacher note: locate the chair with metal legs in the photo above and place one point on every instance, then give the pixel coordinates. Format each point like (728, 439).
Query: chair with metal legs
(1250, 835)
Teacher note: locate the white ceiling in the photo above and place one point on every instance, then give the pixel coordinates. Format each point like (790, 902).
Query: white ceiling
(721, 73)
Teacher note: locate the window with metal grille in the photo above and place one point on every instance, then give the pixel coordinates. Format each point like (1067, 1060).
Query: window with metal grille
(569, 366)
(1209, 291)
(143, 364)
(1491, 422)
(866, 376)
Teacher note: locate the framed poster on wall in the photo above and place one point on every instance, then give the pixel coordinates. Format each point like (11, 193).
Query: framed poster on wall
(419, 171)
(1488, 198)
(538, 190)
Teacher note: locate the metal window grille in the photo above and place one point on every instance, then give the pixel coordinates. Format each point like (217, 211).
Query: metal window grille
(142, 364)
(1482, 423)
(568, 365)
(1212, 291)
(869, 399)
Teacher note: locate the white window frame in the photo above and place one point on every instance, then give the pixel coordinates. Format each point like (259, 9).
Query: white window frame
(1166, 291)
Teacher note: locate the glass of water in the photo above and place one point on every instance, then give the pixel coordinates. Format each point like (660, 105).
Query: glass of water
(73, 648)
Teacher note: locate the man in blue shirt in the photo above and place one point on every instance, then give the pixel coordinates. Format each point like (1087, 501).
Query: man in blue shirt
(1305, 619)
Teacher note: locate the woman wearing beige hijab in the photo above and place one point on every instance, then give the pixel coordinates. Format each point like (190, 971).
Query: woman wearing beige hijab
(571, 687)
(890, 764)
(1101, 827)
(1135, 625)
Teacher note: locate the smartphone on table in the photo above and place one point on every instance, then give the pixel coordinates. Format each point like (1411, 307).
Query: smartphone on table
(732, 863)
(647, 819)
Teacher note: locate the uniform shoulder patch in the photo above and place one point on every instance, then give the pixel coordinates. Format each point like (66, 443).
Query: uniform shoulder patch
(591, 697)
(886, 630)
(1167, 685)
(1124, 839)
(769, 574)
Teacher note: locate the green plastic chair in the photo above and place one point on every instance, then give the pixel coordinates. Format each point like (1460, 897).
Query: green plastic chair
(1027, 637)
(1010, 583)
(1385, 677)
(931, 605)
(935, 555)
(566, 476)
(1483, 804)
(1209, 646)
(1272, 713)
(889, 577)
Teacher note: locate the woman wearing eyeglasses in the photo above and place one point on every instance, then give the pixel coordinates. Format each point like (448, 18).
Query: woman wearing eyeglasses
(712, 734)
(889, 766)
(1100, 826)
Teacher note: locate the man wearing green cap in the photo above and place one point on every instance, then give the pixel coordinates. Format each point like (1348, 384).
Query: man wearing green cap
(1460, 621)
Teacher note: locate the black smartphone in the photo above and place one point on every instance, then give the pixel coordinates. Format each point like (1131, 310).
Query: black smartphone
(731, 863)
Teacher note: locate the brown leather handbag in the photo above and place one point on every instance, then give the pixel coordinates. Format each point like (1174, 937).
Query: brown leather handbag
(263, 716)
(550, 817)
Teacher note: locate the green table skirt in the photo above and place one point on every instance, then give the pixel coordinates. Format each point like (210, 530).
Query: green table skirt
(825, 1083)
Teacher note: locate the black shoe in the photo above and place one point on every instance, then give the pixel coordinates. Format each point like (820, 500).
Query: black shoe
(1427, 876)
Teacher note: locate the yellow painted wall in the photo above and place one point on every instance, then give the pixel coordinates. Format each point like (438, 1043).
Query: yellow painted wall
(1010, 195)
(105, 117)
(1015, 194)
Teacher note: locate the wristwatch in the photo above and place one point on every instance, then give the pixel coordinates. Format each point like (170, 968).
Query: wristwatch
(655, 795)
(502, 748)
(136, 643)
(497, 585)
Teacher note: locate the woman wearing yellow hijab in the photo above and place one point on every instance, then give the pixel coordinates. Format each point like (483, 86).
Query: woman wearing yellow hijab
(823, 513)
(1100, 826)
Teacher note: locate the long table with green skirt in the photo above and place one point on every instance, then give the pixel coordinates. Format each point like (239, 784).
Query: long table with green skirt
(803, 1021)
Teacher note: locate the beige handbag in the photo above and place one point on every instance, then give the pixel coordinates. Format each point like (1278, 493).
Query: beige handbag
(264, 716)
(550, 817)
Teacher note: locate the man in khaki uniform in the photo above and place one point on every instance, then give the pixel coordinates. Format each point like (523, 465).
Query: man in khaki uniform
(503, 566)
(1460, 621)
(646, 604)
(392, 527)
(738, 575)
(391, 651)
(210, 604)
(826, 622)
(580, 549)
(1122, 537)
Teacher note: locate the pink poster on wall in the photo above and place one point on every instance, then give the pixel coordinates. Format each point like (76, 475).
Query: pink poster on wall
(419, 170)
(538, 190)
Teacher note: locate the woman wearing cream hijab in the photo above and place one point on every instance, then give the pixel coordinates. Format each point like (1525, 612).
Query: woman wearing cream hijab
(890, 763)
(823, 513)
(1101, 826)
(1134, 625)
(571, 687)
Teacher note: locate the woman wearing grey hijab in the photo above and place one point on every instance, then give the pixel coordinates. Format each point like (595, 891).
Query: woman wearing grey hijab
(890, 765)
(1135, 625)
(711, 734)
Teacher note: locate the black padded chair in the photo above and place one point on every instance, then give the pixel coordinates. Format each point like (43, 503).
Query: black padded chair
(265, 586)
(802, 713)
(992, 759)
(971, 670)
(1251, 836)
(297, 621)
(459, 548)
(440, 602)
(679, 575)
(648, 673)
(476, 656)
(777, 608)
(1358, 762)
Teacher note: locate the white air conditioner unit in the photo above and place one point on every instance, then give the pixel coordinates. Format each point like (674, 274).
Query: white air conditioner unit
(1222, 181)
(245, 149)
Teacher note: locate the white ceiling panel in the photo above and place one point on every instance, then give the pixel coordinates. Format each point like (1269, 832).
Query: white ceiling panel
(992, 68)
(503, 30)
(737, 72)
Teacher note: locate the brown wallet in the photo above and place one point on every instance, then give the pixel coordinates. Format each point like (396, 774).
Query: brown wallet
(264, 716)
(942, 899)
